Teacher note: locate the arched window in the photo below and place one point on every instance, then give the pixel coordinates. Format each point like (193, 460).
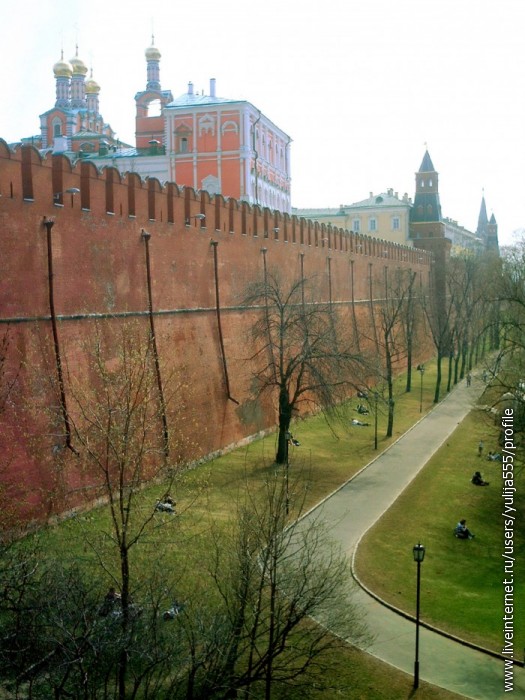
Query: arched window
(57, 127)
(182, 138)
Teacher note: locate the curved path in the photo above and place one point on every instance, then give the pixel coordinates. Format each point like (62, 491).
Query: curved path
(353, 508)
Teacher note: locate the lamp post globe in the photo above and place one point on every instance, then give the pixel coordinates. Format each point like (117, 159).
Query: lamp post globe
(418, 552)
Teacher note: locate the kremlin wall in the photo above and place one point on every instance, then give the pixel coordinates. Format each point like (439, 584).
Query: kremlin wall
(84, 250)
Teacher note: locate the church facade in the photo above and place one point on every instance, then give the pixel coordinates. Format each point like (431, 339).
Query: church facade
(207, 142)
(74, 125)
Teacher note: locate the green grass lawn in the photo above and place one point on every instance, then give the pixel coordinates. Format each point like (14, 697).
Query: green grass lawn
(326, 458)
(461, 581)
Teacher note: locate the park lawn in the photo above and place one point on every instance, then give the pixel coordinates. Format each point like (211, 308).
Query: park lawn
(327, 457)
(461, 581)
(210, 493)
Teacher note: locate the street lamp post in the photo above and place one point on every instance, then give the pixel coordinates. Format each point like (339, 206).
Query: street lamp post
(57, 197)
(197, 217)
(421, 370)
(375, 420)
(419, 554)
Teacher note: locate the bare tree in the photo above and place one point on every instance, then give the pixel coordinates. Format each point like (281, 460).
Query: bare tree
(9, 373)
(410, 319)
(438, 312)
(303, 356)
(394, 330)
(283, 598)
(118, 429)
(508, 371)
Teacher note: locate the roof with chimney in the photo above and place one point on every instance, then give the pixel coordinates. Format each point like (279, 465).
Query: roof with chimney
(191, 100)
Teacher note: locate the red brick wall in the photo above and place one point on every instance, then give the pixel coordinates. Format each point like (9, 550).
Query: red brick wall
(100, 281)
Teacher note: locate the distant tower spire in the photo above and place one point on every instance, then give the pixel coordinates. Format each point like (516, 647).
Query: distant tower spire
(427, 206)
(487, 229)
(482, 218)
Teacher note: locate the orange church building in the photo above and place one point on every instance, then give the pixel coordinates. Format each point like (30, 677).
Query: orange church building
(225, 146)
(207, 142)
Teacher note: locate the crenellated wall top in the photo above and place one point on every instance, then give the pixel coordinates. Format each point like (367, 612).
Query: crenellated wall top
(53, 181)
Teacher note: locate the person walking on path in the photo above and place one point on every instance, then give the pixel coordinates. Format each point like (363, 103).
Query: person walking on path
(480, 448)
(469, 379)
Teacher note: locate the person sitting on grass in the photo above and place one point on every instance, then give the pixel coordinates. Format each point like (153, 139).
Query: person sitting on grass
(165, 504)
(359, 422)
(171, 614)
(477, 480)
(494, 457)
(462, 532)
(111, 600)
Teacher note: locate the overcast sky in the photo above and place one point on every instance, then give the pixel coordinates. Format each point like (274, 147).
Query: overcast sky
(361, 86)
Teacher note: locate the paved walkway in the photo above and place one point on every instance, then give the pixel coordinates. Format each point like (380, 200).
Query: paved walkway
(351, 510)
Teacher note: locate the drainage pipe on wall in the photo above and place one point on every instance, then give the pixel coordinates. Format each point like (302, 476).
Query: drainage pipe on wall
(146, 236)
(214, 245)
(49, 223)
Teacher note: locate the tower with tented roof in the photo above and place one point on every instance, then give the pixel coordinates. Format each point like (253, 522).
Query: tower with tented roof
(487, 229)
(150, 104)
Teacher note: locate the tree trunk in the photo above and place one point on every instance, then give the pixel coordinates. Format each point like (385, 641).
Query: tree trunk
(438, 378)
(390, 384)
(285, 418)
(123, 657)
(408, 387)
(449, 379)
(456, 368)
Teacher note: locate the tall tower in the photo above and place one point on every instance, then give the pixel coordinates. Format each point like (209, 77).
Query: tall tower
(483, 220)
(149, 119)
(427, 228)
(427, 207)
(487, 230)
(492, 245)
(153, 66)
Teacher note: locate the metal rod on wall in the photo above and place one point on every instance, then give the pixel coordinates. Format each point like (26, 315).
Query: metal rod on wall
(267, 315)
(372, 315)
(49, 223)
(214, 245)
(146, 236)
(354, 318)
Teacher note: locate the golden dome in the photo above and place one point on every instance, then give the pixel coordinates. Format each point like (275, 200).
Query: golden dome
(62, 69)
(92, 87)
(152, 54)
(79, 67)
